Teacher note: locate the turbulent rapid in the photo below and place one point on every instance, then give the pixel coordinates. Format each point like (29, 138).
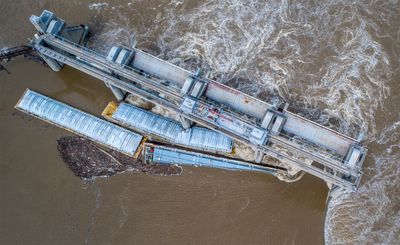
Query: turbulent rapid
(336, 62)
(372, 215)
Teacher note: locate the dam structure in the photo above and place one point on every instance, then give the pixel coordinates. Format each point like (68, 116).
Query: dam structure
(268, 129)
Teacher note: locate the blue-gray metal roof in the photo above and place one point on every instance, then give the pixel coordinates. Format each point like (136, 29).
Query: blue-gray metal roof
(165, 155)
(79, 122)
(170, 130)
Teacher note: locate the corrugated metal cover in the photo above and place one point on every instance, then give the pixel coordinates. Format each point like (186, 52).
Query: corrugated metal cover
(166, 156)
(79, 122)
(197, 137)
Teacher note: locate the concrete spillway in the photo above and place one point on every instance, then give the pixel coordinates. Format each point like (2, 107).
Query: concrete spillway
(334, 157)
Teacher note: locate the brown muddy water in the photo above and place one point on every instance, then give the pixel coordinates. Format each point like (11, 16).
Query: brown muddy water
(335, 62)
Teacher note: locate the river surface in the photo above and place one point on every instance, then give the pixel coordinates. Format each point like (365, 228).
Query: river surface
(336, 62)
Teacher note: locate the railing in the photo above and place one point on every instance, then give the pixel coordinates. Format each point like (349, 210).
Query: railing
(101, 59)
(91, 51)
(156, 79)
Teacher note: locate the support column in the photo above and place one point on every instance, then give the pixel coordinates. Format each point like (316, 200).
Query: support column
(52, 63)
(259, 156)
(186, 123)
(118, 93)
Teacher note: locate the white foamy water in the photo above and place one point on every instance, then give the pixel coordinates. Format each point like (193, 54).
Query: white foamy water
(98, 6)
(330, 60)
(372, 215)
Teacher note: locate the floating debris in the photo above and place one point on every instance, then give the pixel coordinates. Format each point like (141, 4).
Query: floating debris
(88, 160)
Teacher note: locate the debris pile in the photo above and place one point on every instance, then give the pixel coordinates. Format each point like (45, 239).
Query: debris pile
(88, 161)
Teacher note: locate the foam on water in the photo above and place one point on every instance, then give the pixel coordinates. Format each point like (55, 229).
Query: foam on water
(327, 59)
(98, 6)
(290, 50)
(372, 215)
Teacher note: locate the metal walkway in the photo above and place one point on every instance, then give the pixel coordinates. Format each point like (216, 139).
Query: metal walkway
(336, 158)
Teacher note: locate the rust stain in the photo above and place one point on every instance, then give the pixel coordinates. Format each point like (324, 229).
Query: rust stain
(224, 87)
